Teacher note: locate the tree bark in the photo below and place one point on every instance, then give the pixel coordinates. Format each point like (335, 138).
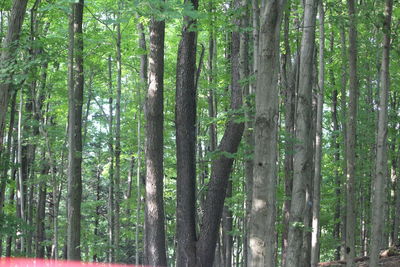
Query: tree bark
(263, 211)
(351, 137)
(185, 121)
(10, 46)
(222, 166)
(155, 231)
(75, 92)
(379, 196)
(303, 147)
(41, 209)
(315, 242)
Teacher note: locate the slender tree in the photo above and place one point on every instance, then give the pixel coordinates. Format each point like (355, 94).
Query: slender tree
(315, 242)
(351, 137)
(378, 198)
(75, 94)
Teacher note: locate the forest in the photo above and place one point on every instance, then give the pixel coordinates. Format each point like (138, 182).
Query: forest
(200, 133)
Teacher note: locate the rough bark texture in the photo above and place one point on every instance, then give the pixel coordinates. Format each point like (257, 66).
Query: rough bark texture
(315, 242)
(351, 138)
(379, 198)
(263, 211)
(10, 46)
(185, 121)
(155, 232)
(75, 92)
(303, 147)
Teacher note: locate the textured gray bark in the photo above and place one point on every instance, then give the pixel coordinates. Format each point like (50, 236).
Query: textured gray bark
(75, 101)
(351, 138)
(154, 219)
(379, 197)
(303, 147)
(263, 211)
(315, 242)
(10, 46)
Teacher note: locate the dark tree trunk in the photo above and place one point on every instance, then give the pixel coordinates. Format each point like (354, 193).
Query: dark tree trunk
(185, 121)
(75, 92)
(41, 209)
(154, 219)
(10, 46)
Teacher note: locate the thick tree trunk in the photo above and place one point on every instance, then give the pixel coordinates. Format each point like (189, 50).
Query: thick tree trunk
(315, 242)
(154, 219)
(10, 46)
(263, 211)
(379, 197)
(303, 147)
(185, 120)
(351, 138)
(75, 84)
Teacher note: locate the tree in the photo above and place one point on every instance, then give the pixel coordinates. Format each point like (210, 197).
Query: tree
(315, 242)
(303, 147)
(185, 121)
(75, 101)
(155, 231)
(263, 211)
(378, 198)
(351, 137)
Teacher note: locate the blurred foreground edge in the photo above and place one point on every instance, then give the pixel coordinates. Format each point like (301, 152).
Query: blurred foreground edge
(32, 262)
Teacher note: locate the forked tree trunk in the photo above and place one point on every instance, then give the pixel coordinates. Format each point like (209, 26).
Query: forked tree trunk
(262, 239)
(379, 197)
(303, 147)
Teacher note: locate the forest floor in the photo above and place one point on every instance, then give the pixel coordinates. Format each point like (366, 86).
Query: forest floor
(389, 258)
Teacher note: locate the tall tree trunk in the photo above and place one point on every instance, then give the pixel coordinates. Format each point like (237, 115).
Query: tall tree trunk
(244, 69)
(378, 198)
(8, 53)
(303, 147)
(263, 211)
(315, 242)
(221, 166)
(143, 79)
(111, 217)
(185, 119)
(154, 219)
(118, 198)
(351, 137)
(75, 92)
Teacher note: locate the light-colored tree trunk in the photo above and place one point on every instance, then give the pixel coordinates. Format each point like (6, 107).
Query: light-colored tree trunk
(75, 93)
(263, 211)
(315, 242)
(303, 146)
(144, 85)
(351, 137)
(379, 197)
(21, 182)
